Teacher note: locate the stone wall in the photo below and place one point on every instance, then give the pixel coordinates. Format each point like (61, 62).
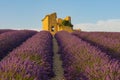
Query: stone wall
(53, 24)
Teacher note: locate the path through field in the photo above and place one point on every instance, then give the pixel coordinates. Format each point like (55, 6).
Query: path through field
(57, 63)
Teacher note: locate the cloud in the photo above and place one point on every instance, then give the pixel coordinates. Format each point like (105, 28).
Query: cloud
(112, 25)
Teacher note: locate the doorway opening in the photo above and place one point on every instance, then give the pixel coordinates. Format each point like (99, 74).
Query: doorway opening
(52, 28)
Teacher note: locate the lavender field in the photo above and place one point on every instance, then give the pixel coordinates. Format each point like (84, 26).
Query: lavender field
(28, 55)
(84, 61)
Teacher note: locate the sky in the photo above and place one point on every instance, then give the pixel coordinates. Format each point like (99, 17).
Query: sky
(88, 15)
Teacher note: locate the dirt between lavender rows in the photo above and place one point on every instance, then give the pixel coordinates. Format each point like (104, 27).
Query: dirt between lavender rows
(57, 63)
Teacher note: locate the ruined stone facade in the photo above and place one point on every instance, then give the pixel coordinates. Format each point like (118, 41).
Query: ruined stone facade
(53, 24)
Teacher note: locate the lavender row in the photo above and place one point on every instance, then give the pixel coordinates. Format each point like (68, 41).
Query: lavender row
(12, 39)
(5, 30)
(106, 44)
(82, 61)
(30, 61)
(113, 35)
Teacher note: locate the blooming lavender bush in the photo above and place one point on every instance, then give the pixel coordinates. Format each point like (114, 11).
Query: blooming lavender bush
(12, 39)
(108, 42)
(82, 61)
(30, 61)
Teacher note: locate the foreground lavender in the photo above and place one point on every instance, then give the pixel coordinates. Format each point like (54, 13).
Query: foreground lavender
(31, 61)
(108, 42)
(81, 61)
(12, 39)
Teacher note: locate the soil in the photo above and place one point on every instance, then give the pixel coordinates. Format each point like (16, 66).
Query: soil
(57, 63)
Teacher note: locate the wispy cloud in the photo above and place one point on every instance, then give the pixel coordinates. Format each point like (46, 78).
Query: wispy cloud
(112, 25)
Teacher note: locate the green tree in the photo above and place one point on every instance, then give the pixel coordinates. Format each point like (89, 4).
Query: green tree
(67, 23)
